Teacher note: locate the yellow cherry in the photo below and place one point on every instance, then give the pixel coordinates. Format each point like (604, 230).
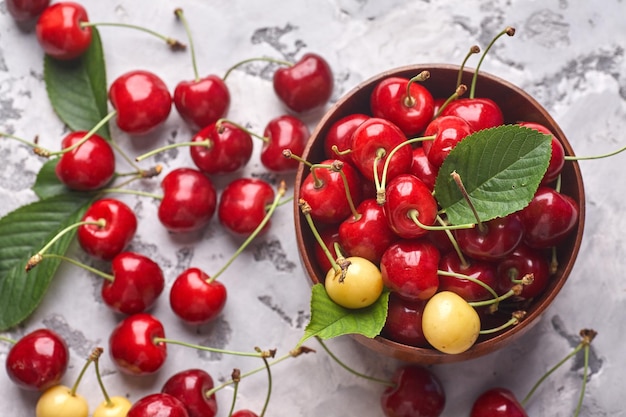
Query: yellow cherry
(449, 323)
(117, 407)
(58, 401)
(361, 286)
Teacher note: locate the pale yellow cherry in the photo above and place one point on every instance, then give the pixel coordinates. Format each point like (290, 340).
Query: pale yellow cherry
(449, 323)
(59, 401)
(360, 287)
(117, 407)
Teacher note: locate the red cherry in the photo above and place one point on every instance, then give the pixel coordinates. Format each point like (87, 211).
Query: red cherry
(38, 360)
(417, 392)
(557, 158)
(497, 402)
(137, 283)
(244, 413)
(410, 113)
(60, 33)
(480, 113)
(422, 168)
(449, 130)
(23, 11)
(88, 167)
(468, 290)
(409, 267)
(189, 200)
(202, 102)
(132, 347)
(243, 204)
(306, 85)
(229, 151)
(493, 240)
(404, 321)
(142, 101)
(108, 241)
(190, 387)
(159, 404)
(340, 135)
(330, 237)
(524, 260)
(284, 132)
(195, 298)
(407, 195)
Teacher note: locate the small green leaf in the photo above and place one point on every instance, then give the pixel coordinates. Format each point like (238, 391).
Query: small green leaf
(22, 233)
(47, 183)
(500, 168)
(78, 89)
(329, 320)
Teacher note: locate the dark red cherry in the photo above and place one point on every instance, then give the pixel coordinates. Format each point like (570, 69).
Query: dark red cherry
(404, 321)
(480, 113)
(422, 168)
(158, 405)
(524, 260)
(190, 387)
(60, 33)
(557, 158)
(88, 167)
(243, 204)
(229, 151)
(449, 131)
(482, 271)
(306, 85)
(244, 413)
(492, 240)
(202, 102)
(195, 299)
(417, 392)
(408, 196)
(284, 132)
(497, 402)
(340, 135)
(330, 237)
(25, 11)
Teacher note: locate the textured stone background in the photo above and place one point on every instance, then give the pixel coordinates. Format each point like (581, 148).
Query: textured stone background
(568, 55)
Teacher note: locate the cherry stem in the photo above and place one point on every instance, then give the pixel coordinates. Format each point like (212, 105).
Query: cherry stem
(84, 139)
(510, 31)
(516, 290)
(459, 183)
(587, 336)
(409, 100)
(469, 278)
(453, 242)
(247, 61)
(219, 122)
(174, 44)
(36, 258)
(380, 187)
(554, 261)
(21, 140)
(101, 274)
(133, 192)
(460, 90)
(269, 384)
(305, 208)
(255, 354)
(180, 15)
(8, 340)
(96, 364)
(516, 317)
(207, 143)
(601, 156)
(95, 354)
(236, 377)
(474, 49)
(349, 369)
(413, 214)
(126, 157)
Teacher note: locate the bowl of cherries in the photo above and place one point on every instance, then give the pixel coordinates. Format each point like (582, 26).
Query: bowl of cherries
(450, 192)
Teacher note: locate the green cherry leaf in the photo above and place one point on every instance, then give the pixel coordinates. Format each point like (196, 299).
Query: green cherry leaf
(22, 233)
(47, 184)
(500, 169)
(329, 320)
(77, 89)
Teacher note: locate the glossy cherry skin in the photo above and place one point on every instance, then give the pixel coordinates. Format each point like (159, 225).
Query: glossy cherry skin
(189, 200)
(142, 101)
(38, 360)
(325, 191)
(407, 194)
(422, 168)
(137, 283)
(479, 270)
(449, 131)
(330, 237)
(59, 30)
(202, 102)
(549, 218)
(417, 392)
(190, 386)
(132, 347)
(340, 135)
(409, 267)
(373, 137)
(158, 405)
(522, 261)
(480, 113)
(244, 413)
(497, 402)
(284, 132)
(88, 167)
(230, 149)
(243, 205)
(557, 157)
(23, 11)
(306, 85)
(109, 241)
(493, 240)
(410, 113)
(194, 299)
(404, 321)
(368, 235)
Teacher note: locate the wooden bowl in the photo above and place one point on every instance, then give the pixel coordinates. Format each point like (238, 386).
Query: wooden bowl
(516, 106)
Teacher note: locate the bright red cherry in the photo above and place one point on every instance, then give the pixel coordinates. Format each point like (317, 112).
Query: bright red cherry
(557, 158)
(422, 168)
(88, 167)
(284, 132)
(482, 271)
(408, 199)
(244, 413)
(497, 402)
(38, 360)
(190, 387)
(203, 101)
(330, 237)
(24, 11)
(243, 204)
(60, 33)
(306, 85)
(417, 392)
(480, 113)
(137, 283)
(404, 321)
(340, 135)
(142, 101)
(108, 241)
(449, 130)
(189, 200)
(411, 113)
(158, 405)
(491, 240)
(229, 151)
(196, 299)
(132, 347)
(524, 260)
